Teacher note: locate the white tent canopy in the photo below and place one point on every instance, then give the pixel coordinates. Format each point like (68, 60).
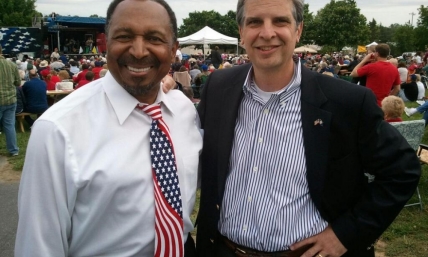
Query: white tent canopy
(372, 44)
(208, 36)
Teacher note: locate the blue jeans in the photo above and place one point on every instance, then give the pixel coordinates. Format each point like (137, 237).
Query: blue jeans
(7, 117)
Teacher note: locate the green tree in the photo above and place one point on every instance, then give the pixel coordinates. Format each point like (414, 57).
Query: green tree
(421, 30)
(340, 24)
(374, 31)
(17, 12)
(224, 24)
(309, 31)
(404, 38)
(94, 16)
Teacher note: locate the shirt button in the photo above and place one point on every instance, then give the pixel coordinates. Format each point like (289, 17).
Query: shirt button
(260, 140)
(255, 169)
(250, 198)
(244, 227)
(266, 111)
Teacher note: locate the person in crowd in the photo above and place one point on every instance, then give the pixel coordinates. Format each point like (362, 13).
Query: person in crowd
(423, 109)
(51, 80)
(103, 72)
(63, 58)
(215, 56)
(194, 72)
(56, 64)
(353, 64)
(183, 77)
(421, 87)
(382, 77)
(176, 65)
(204, 74)
(44, 65)
(362, 81)
(393, 108)
(74, 67)
(96, 182)
(286, 151)
(35, 96)
(81, 75)
(89, 76)
(227, 65)
(188, 92)
(179, 54)
(9, 79)
(402, 70)
(96, 70)
(409, 91)
(394, 62)
(55, 54)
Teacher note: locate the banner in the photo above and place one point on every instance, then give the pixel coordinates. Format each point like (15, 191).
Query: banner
(361, 49)
(80, 50)
(94, 50)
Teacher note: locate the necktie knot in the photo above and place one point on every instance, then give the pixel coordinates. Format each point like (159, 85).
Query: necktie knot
(153, 110)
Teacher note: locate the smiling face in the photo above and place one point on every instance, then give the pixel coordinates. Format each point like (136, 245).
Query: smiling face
(269, 34)
(140, 47)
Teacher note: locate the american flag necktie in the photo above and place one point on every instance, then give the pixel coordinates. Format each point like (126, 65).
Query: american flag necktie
(168, 206)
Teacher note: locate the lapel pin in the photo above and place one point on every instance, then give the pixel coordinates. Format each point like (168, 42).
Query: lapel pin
(318, 122)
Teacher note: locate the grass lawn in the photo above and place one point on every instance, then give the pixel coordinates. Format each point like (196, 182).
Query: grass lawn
(406, 237)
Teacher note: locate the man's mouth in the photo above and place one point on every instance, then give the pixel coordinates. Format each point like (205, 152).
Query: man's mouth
(138, 70)
(266, 48)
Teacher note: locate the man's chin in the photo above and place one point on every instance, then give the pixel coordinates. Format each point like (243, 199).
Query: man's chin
(138, 90)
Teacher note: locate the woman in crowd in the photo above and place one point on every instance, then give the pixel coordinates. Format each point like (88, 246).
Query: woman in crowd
(393, 108)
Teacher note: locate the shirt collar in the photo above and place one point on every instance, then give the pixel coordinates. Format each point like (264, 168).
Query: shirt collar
(123, 103)
(293, 84)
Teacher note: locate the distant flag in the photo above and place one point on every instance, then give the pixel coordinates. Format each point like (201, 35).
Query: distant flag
(80, 50)
(94, 50)
(361, 49)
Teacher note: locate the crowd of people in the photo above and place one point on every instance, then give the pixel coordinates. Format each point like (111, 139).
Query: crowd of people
(280, 152)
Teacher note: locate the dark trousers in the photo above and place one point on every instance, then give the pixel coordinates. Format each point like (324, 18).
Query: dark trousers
(189, 247)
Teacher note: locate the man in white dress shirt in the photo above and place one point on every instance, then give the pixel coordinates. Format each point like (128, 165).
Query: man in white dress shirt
(87, 186)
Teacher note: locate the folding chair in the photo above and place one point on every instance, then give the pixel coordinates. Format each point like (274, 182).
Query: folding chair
(412, 131)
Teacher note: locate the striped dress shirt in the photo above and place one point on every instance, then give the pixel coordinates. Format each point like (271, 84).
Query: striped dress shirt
(266, 204)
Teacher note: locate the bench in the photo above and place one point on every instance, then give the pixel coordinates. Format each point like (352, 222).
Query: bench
(20, 118)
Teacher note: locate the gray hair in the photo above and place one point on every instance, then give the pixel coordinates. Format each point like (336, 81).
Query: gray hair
(298, 9)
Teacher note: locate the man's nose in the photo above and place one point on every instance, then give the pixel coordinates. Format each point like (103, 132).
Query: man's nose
(138, 48)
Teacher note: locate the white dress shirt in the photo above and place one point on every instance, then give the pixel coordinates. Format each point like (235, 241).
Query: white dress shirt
(86, 187)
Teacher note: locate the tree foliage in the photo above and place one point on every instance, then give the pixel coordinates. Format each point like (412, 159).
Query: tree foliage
(309, 31)
(404, 38)
(17, 12)
(421, 31)
(374, 31)
(340, 24)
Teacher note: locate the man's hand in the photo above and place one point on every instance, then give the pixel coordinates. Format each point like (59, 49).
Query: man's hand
(168, 84)
(325, 244)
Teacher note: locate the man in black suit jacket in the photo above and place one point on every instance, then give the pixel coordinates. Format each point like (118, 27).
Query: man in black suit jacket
(344, 137)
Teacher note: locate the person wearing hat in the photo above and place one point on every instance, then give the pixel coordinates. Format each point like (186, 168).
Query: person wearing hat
(409, 91)
(43, 70)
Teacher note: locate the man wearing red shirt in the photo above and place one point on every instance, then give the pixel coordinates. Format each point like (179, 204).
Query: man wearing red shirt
(89, 76)
(81, 75)
(382, 77)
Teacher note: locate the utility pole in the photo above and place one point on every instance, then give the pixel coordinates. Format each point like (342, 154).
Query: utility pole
(413, 14)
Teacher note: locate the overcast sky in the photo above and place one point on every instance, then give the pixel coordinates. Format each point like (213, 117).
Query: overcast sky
(386, 12)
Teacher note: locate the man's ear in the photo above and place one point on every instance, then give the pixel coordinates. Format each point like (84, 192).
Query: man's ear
(242, 42)
(174, 51)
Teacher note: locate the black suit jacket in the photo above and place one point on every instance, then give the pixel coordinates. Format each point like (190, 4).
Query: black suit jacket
(353, 139)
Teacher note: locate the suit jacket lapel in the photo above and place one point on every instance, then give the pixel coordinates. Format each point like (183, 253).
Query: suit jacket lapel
(231, 100)
(316, 131)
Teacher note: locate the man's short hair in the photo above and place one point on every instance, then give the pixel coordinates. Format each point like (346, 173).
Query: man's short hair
(382, 50)
(298, 9)
(89, 75)
(393, 106)
(171, 14)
